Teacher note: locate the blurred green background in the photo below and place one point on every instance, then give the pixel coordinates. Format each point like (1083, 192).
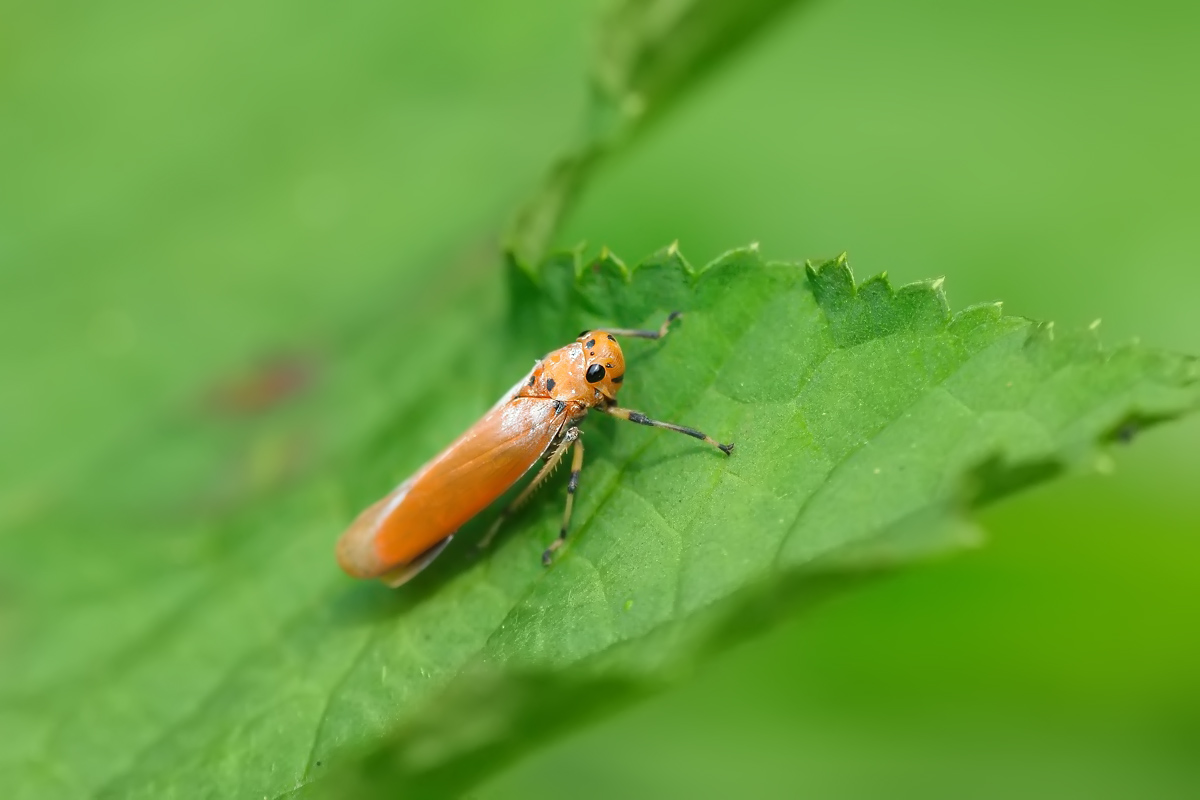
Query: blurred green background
(187, 190)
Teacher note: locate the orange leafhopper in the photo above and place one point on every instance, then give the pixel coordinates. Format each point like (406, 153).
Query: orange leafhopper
(537, 419)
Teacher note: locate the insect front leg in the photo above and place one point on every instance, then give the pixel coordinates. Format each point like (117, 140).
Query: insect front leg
(642, 419)
(560, 448)
(572, 485)
(638, 333)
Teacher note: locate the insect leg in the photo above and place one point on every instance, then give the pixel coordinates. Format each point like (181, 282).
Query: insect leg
(644, 334)
(642, 419)
(572, 485)
(570, 435)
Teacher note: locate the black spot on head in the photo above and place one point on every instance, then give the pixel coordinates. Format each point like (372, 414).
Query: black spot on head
(610, 338)
(532, 379)
(618, 379)
(590, 344)
(583, 333)
(550, 384)
(595, 373)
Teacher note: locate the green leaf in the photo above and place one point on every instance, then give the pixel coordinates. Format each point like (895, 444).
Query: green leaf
(649, 53)
(220, 653)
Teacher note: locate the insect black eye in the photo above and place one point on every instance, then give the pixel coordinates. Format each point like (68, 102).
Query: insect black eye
(595, 373)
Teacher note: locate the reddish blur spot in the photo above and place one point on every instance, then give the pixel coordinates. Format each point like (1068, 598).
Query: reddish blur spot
(272, 383)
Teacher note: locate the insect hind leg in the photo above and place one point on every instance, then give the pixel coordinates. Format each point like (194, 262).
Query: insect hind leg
(572, 485)
(560, 449)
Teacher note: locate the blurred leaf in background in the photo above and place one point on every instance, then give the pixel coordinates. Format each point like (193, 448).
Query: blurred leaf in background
(238, 243)
(188, 189)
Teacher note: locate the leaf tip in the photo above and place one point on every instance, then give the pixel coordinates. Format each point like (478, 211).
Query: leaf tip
(747, 257)
(670, 257)
(605, 260)
(832, 282)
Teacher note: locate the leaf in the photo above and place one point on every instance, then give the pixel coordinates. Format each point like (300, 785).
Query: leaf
(649, 54)
(222, 654)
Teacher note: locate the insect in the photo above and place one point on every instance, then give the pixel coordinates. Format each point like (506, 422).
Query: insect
(537, 419)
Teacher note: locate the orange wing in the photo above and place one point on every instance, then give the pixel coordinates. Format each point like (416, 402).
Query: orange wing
(456, 485)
